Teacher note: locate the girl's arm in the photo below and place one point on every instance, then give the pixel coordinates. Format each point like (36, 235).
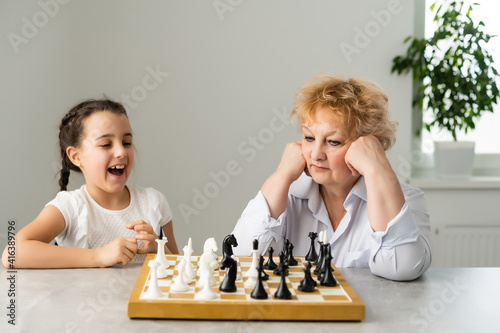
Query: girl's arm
(34, 251)
(275, 188)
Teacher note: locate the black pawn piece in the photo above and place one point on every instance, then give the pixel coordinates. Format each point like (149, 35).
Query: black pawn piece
(327, 278)
(290, 260)
(229, 282)
(308, 284)
(282, 267)
(312, 255)
(270, 264)
(259, 292)
(283, 292)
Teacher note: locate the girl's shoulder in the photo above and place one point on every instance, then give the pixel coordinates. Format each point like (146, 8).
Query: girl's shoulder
(74, 197)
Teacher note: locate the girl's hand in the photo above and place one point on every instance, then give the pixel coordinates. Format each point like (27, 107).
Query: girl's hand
(366, 155)
(292, 162)
(146, 234)
(120, 251)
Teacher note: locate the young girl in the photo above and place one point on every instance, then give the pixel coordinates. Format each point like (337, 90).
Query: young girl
(105, 222)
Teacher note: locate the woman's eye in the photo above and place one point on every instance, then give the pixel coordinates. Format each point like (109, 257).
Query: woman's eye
(308, 138)
(334, 143)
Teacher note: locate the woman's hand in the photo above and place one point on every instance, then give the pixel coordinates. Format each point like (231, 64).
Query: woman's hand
(146, 234)
(292, 162)
(366, 155)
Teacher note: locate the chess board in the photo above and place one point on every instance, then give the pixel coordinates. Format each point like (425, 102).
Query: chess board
(324, 304)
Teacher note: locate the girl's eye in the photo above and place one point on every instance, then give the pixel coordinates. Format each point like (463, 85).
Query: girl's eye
(309, 138)
(127, 144)
(107, 145)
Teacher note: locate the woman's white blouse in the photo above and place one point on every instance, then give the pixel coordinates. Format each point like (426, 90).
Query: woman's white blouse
(402, 252)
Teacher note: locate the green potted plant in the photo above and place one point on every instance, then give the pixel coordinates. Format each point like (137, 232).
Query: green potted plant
(455, 78)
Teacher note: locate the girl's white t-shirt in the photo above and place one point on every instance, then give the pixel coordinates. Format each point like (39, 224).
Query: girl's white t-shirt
(89, 225)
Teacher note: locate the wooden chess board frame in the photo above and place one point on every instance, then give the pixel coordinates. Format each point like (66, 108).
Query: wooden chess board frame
(338, 303)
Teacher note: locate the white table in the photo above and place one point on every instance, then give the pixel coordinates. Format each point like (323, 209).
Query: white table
(95, 300)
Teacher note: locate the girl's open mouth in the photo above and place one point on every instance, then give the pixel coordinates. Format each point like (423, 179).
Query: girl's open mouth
(117, 170)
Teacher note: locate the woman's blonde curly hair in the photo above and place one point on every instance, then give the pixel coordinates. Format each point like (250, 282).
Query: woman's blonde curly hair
(360, 106)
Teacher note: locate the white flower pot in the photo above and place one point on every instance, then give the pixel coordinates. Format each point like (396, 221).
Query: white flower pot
(454, 159)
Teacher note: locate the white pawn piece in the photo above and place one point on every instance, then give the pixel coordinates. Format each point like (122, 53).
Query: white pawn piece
(205, 270)
(179, 284)
(206, 293)
(188, 250)
(253, 273)
(161, 259)
(153, 291)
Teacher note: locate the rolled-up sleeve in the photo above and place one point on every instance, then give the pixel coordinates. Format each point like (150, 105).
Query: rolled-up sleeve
(256, 223)
(402, 252)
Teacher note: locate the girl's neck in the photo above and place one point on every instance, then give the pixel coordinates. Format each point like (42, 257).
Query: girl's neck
(112, 201)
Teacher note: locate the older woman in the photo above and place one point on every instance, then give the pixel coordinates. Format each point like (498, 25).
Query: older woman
(338, 179)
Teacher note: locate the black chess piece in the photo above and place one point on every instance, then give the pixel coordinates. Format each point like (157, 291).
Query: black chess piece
(270, 264)
(282, 267)
(320, 259)
(290, 260)
(229, 282)
(259, 292)
(312, 255)
(327, 278)
(283, 292)
(227, 250)
(308, 284)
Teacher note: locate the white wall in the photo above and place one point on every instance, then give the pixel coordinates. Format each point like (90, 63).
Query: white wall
(232, 67)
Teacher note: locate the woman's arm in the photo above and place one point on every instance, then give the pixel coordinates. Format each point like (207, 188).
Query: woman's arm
(275, 188)
(384, 195)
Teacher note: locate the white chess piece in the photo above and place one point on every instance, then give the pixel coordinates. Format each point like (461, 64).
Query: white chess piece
(252, 273)
(206, 293)
(205, 270)
(153, 291)
(161, 259)
(210, 253)
(189, 269)
(179, 284)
